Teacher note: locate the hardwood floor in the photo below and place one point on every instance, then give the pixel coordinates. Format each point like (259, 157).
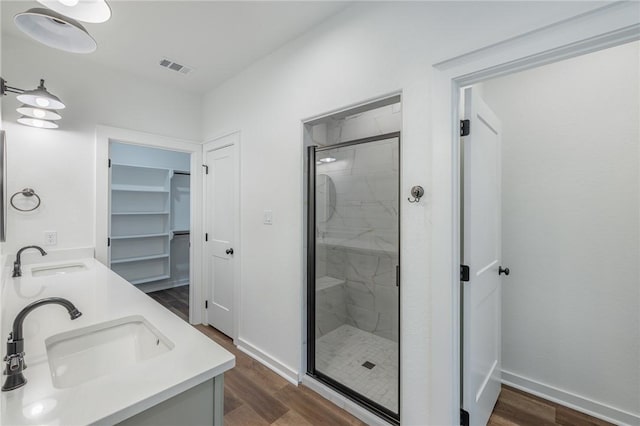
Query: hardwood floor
(254, 395)
(175, 299)
(515, 407)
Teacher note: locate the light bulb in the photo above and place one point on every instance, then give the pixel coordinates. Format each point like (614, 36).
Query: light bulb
(38, 113)
(43, 102)
(69, 3)
(327, 159)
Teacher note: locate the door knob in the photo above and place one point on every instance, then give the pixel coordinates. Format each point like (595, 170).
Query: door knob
(503, 271)
(230, 251)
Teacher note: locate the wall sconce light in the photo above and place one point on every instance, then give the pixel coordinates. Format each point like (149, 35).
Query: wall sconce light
(39, 109)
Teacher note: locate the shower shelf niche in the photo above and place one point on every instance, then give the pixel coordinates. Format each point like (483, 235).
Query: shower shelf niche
(326, 282)
(367, 245)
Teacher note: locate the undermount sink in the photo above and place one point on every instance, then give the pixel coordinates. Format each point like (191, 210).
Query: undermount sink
(58, 269)
(85, 354)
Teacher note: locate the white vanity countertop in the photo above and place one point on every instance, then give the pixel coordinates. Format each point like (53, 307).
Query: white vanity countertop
(101, 296)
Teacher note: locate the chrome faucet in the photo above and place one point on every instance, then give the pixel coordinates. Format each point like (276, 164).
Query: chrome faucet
(17, 266)
(14, 360)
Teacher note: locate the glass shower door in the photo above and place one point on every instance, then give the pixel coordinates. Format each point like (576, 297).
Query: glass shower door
(354, 293)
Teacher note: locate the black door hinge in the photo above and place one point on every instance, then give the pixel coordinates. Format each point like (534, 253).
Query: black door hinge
(465, 127)
(464, 417)
(109, 162)
(464, 272)
(108, 242)
(206, 169)
(206, 237)
(206, 304)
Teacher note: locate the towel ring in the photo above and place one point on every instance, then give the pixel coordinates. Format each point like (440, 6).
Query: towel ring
(27, 192)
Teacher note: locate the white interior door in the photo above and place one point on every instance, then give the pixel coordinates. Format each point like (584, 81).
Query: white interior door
(482, 252)
(220, 227)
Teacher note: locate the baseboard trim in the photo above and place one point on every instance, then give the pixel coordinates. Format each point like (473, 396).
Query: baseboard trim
(343, 402)
(279, 368)
(579, 403)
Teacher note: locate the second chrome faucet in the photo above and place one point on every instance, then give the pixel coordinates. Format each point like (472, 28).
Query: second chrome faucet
(17, 266)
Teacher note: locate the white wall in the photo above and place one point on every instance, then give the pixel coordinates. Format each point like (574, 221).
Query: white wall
(367, 51)
(571, 306)
(60, 164)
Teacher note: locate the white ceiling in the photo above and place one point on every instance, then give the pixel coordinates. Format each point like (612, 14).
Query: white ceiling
(216, 38)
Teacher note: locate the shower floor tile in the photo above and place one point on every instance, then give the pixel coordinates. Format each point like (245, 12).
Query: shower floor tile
(341, 353)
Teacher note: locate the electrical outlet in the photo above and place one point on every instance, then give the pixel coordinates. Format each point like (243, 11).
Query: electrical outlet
(268, 217)
(50, 238)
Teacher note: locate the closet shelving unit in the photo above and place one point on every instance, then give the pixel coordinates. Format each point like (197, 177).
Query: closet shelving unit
(140, 219)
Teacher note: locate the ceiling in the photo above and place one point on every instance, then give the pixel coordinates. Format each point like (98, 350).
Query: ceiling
(215, 38)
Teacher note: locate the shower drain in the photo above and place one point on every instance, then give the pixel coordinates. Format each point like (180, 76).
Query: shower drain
(368, 365)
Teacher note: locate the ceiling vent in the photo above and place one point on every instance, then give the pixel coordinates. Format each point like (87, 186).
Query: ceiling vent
(174, 66)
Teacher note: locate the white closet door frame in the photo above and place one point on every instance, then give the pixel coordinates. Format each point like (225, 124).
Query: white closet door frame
(106, 134)
(227, 140)
(603, 27)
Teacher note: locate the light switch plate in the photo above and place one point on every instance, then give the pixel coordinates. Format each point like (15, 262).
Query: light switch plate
(268, 217)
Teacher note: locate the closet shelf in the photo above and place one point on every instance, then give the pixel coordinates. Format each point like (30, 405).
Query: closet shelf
(138, 167)
(127, 237)
(138, 259)
(136, 213)
(149, 279)
(139, 188)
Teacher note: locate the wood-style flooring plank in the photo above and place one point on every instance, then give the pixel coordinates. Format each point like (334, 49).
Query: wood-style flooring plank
(244, 416)
(312, 409)
(231, 402)
(258, 398)
(175, 299)
(291, 418)
(567, 416)
(497, 420)
(516, 407)
(519, 417)
(526, 404)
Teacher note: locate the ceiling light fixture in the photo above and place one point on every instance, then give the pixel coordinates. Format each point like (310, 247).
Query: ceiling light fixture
(55, 30)
(39, 105)
(92, 11)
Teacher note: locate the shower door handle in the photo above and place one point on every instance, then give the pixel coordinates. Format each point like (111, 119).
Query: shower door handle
(397, 275)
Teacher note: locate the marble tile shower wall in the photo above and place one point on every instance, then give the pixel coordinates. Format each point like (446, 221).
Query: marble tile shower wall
(371, 295)
(358, 244)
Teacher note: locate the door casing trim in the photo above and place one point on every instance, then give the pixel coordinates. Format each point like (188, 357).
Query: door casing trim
(608, 26)
(105, 134)
(224, 141)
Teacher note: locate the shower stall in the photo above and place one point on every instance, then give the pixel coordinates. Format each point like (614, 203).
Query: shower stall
(353, 270)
